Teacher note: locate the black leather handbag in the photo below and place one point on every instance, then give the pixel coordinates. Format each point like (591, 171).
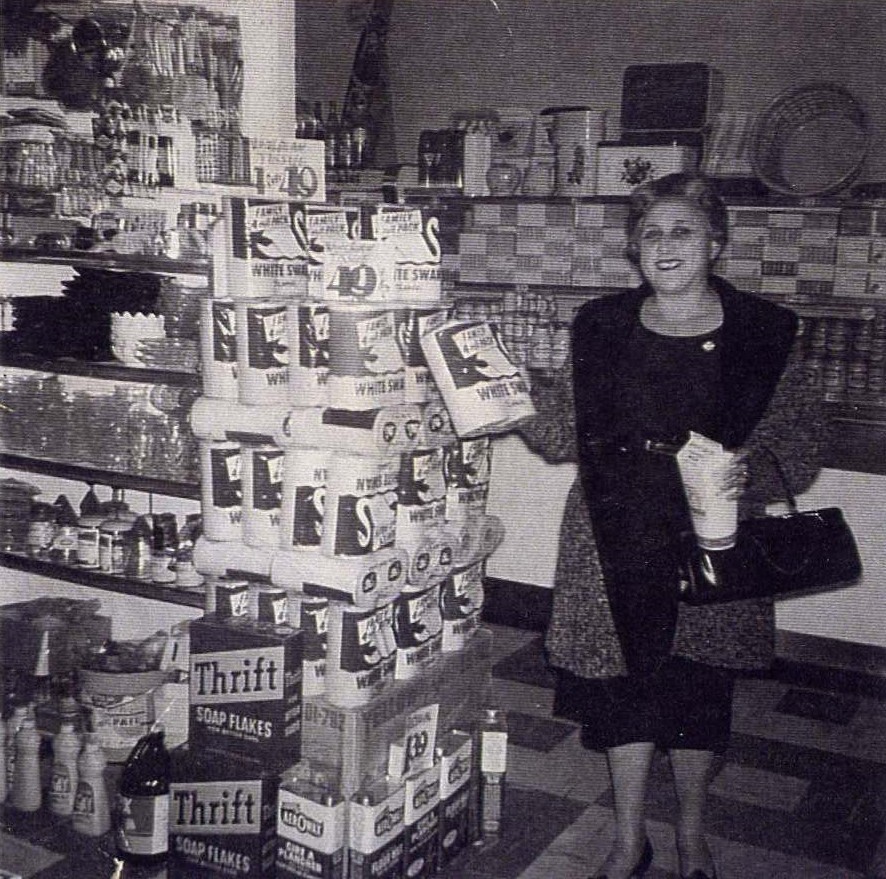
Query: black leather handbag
(797, 552)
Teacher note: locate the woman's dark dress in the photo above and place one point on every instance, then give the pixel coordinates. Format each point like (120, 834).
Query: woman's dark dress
(668, 385)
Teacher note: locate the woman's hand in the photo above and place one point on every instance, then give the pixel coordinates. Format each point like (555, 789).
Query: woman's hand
(737, 476)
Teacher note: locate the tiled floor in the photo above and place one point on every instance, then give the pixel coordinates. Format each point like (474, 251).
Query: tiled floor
(801, 793)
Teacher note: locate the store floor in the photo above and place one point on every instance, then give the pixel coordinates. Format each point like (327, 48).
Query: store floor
(801, 793)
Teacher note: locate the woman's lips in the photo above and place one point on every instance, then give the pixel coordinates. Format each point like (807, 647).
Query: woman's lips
(665, 265)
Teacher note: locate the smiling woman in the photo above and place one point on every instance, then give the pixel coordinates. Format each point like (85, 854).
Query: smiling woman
(685, 352)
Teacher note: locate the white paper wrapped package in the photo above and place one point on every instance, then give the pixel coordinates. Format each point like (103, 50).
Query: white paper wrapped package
(217, 558)
(436, 424)
(213, 419)
(366, 368)
(262, 352)
(362, 581)
(218, 348)
(412, 323)
(266, 248)
(328, 226)
(304, 497)
(467, 469)
(262, 468)
(418, 628)
(311, 615)
(478, 538)
(413, 234)
(484, 390)
(307, 326)
(371, 432)
(358, 271)
(361, 504)
(362, 653)
(461, 603)
(221, 489)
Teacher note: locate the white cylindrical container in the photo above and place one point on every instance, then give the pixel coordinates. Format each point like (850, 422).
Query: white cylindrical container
(484, 390)
(217, 557)
(225, 419)
(63, 780)
(262, 469)
(577, 131)
(361, 504)
(307, 324)
(218, 348)
(366, 368)
(262, 352)
(412, 324)
(304, 496)
(221, 489)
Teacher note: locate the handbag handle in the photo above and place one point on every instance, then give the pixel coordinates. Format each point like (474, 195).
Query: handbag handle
(790, 497)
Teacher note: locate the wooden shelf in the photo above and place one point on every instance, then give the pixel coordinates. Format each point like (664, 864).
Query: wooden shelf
(108, 371)
(97, 476)
(99, 580)
(157, 265)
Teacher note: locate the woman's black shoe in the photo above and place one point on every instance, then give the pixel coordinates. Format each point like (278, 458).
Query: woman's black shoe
(699, 874)
(642, 865)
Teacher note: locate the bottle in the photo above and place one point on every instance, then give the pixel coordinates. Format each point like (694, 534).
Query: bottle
(493, 765)
(319, 128)
(92, 814)
(137, 547)
(13, 725)
(63, 778)
(4, 788)
(142, 807)
(332, 134)
(26, 794)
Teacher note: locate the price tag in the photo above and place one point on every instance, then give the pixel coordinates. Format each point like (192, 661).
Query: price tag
(415, 751)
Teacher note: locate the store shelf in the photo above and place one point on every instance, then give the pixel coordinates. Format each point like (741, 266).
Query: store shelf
(158, 265)
(100, 580)
(858, 438)
(110, 371)
(97, 476)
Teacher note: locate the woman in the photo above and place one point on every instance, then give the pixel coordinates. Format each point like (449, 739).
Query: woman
(685, 351)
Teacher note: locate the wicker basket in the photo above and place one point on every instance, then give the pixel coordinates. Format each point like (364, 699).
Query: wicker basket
(812, 140)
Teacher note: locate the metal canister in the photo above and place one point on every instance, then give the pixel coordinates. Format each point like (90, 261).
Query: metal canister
(232, 600)
(271, 605)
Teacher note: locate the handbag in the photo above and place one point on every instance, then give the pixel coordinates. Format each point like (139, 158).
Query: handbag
(795, 552)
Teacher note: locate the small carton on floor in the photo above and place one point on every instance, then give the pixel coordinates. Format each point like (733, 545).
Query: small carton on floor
(222, 813)
(376, 831)
(456, 765)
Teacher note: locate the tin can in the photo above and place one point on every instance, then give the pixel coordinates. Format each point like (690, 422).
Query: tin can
(232, 600)
(87, 540)
(271, 606)
(111, 539)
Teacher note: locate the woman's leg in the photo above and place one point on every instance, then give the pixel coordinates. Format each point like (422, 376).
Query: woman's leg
(692, 770)
(629, 770)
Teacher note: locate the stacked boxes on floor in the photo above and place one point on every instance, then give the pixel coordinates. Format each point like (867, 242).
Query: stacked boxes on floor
(331, 470)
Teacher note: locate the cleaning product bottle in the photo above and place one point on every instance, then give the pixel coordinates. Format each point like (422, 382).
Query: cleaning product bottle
(92, 813)
(27, 795)
(4, 788)
(13, 725)
(493, 765)
(142, 808)
(63, 779)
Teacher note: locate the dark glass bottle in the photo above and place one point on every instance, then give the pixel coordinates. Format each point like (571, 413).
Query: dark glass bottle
(141, 820)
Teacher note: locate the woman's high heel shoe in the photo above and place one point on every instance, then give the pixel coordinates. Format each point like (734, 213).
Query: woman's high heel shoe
(699, 874)
(642, 866)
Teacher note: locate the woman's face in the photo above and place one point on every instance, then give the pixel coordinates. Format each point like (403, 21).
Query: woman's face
(676, 247)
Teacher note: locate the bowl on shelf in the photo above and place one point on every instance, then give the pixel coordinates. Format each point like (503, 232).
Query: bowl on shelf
(128, 329)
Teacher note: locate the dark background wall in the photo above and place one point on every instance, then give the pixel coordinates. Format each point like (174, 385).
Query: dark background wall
(455, 55)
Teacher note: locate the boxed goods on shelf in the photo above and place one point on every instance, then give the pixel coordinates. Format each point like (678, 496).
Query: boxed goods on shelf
(245, 689)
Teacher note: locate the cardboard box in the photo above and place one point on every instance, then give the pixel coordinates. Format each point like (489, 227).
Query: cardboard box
(246, 690)
(222, 817)
(621, 168)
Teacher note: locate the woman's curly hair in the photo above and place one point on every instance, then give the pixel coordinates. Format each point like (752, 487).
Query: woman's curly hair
(694, 189)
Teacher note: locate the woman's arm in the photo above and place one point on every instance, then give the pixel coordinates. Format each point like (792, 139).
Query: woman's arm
(796, 428)
(551, 433)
